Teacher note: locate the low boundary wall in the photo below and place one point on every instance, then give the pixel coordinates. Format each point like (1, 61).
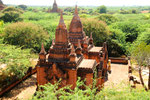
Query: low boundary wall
(11, 86)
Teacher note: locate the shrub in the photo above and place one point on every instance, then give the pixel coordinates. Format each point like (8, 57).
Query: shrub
(11, 16)
(144, 37)
(130, 29)
(98, 28)
(1, 29)
(116, 43)
(107, 18)
(119, 92)
(83, 16)
(24, 7)
(17, 63)
(26, 35)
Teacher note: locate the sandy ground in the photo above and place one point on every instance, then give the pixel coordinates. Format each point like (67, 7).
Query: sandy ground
(23, 91)
(118, 75)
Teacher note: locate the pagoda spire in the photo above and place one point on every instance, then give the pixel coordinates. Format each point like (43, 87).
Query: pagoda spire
(61, 35)
(61, 21)
(76, 10)
(42, 49)
(72, 54)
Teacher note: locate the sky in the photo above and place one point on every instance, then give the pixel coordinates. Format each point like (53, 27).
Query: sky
(80, 2)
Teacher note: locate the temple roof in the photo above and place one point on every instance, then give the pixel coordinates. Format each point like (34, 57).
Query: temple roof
(76, 22)
(87, 64)
(96, 49)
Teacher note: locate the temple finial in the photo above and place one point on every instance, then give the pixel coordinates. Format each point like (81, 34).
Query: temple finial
(54, 1)
(76, 10)
(42, 49)
(61, 17)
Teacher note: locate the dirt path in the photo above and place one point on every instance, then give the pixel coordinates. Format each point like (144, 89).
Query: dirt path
(23, 91)
(119, 74)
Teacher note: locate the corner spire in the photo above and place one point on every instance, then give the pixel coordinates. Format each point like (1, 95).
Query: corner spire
(53, 42)
(79, 44)
(42, 49)
(72, 50)
(76, 10)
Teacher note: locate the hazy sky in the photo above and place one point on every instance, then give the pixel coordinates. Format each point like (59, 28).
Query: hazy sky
(79, 2)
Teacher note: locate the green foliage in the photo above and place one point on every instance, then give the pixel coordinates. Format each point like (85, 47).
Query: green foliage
(26, 35)
(83, 16)
(24, 7)
(124, 12)
(98, 28)
(140, 51)
(144, 37)
(11, 16)
(107, 18)
(1, 28)
(119, 92)
(134, 11)
(130, 29)
(102, 9)
(17, 63)
(52, 92)
(7, 9)
(116, 43)
(147, 16)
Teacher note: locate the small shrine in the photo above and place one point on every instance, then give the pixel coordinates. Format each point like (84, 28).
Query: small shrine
(72, 55)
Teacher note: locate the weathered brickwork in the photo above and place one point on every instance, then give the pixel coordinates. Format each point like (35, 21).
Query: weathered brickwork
(71, 55)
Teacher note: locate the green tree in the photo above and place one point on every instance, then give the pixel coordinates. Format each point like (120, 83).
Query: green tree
(98, 28)
(109, 19)
(141, 52)
(144, 37)
(102, 9)
(134, 11)
(26, 35)
(11, 16)
(24, 7)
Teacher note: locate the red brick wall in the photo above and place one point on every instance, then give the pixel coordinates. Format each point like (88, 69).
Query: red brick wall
(41, 80)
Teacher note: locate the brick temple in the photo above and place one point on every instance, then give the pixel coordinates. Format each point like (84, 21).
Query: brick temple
(55, 8)
(1, 5)
(72, 55)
